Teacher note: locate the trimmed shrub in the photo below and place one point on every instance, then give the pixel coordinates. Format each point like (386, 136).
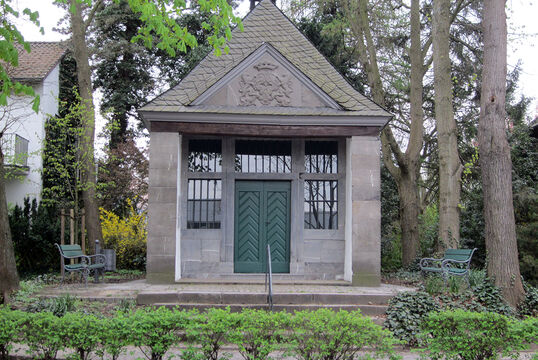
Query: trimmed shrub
(45, 335)
(259, 333)
(82, 333)
(406, 312)
(115, 336)
(469, 335)
(10, 323)
(154, 330)
(327, 335)
(208, 332)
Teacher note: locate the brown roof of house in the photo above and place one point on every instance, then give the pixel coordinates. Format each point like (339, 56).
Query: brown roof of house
(36, 64)
(266, 24)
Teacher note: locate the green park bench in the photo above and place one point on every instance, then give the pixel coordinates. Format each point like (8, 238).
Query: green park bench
(455, 262)
(83, 264)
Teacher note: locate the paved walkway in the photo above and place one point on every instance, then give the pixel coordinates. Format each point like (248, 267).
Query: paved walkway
(116, 291)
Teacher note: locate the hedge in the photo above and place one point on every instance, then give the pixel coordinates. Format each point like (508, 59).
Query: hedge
(322, 334)
(467, 335)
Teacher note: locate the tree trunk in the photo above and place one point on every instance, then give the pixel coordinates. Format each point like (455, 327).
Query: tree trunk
(406, 170)
(9, 279)
(88, 175)
(495, 162)
(409, 212)
(450, 167)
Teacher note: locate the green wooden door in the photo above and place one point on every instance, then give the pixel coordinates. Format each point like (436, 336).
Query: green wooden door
(262, 216)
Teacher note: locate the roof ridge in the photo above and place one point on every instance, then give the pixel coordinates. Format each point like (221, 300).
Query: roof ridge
(289, 41)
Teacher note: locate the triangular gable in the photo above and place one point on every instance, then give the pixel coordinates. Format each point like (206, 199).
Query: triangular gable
(266, 24)
(266, 78)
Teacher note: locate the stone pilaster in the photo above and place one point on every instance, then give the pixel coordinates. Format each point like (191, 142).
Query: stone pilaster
(366, 211)
(162, 206)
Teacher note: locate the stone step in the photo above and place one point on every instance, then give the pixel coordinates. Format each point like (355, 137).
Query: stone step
(259, 279)
(228, 298)
(368, 310)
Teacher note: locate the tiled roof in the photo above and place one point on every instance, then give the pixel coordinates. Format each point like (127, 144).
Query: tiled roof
(37, 64)
(266, 24)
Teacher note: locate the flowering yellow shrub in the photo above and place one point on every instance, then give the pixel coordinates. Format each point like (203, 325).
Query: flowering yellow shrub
(127, 236)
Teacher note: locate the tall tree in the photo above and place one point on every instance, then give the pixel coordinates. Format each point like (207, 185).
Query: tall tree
(450, 168)
(158, 22)
(495, 162)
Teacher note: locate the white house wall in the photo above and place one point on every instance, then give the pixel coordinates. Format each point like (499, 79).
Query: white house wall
(31, 126)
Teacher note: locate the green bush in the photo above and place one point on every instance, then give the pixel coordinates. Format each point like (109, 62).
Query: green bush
(208, 332)
(10, 323)
(468, 335)
(406, 312)
(45, 335)
(34, 229)
(114, 336)
(82, 334)
(154, 330)
(328, 335)
(259, 333)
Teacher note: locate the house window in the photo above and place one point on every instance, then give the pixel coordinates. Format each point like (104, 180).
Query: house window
(321, 204)
(321, 157)
(203, 204)
(270, 156)
(205, 155)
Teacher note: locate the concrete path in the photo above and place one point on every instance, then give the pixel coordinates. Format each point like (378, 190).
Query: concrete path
(117, 291)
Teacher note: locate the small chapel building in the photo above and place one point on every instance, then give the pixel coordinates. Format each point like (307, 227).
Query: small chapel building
(266, 145)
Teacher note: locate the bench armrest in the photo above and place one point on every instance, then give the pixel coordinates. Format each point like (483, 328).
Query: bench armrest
(83, 258)
(447, 262)
(98, 258)
(424, 261)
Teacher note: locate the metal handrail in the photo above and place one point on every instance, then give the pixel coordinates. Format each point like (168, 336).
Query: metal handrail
(269, 279)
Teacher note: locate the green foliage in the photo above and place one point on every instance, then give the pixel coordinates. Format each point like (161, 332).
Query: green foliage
(259, 333)
(154, 330)
(328, 335)
(63, 157)
(468, 335)
(114, 336)
(529, 306)
(9, 55)
(45, 334)
(211, 330)
(406, 313)
(34, 230)
(10, 323)
(490, 296)
(82, 334)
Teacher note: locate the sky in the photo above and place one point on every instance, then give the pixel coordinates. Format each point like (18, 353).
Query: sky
(522, 37)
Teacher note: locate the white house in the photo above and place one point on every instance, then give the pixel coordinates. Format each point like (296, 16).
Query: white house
(24, 130)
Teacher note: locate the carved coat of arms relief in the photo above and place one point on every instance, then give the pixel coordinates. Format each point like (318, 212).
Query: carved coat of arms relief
(266, 87)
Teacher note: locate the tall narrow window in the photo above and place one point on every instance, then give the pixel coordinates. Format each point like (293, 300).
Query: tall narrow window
(263, 156)
(321, 204)
(205, 155)
(321, 157)
(203, 204)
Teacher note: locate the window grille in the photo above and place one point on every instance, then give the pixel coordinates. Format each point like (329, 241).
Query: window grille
(321, 204)
(321, 157)
(259, 156)
(203, 204)
(205, 155)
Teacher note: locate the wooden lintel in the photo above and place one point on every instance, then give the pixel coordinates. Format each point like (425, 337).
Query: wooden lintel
(192, 128)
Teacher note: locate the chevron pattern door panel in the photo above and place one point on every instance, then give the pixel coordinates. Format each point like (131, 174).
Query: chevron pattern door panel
(262, 216)
(277, 225)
